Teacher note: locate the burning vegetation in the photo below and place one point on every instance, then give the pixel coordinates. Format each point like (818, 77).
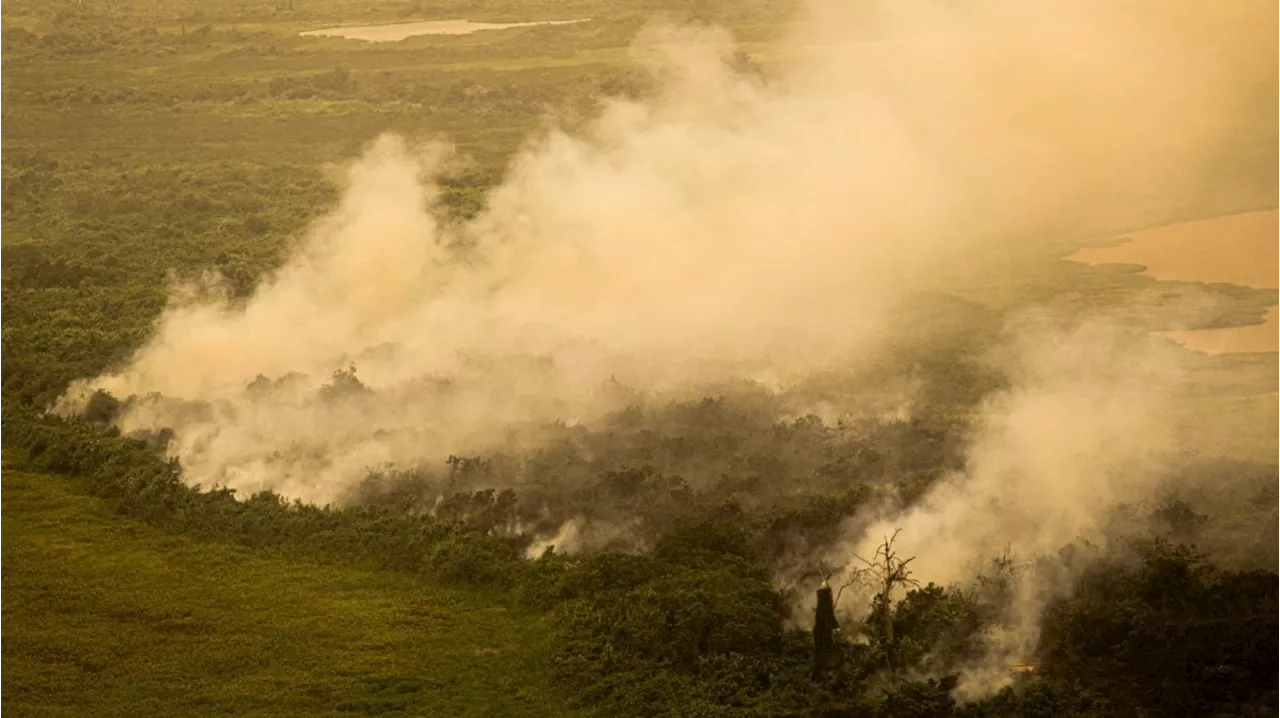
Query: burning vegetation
(764, 385)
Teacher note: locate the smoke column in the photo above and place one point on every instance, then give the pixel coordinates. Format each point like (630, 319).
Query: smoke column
(1080, 431)
(724, 227)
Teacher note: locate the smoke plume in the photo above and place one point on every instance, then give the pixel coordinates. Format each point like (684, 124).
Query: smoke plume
(735, 226)
(725, 227)
(1080, 430)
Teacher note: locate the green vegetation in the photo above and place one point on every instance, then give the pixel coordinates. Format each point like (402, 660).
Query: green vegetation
(105, 615)
(148, 139)
(695, 626)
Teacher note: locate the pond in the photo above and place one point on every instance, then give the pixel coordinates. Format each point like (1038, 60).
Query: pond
(394, 33)
(1236, 249)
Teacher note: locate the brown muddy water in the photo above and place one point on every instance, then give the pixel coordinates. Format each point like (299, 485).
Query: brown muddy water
(1236, 249)
(394, 33)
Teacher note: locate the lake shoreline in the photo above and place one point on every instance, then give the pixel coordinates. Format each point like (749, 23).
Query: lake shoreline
(394, 32)
(1238, 249)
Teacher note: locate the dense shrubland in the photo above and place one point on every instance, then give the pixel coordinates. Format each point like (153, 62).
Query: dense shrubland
(683, 615)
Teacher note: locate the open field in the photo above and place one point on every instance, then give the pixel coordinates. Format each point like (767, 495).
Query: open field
(107, 616)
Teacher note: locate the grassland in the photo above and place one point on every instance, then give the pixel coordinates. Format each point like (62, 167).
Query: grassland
(104, 615)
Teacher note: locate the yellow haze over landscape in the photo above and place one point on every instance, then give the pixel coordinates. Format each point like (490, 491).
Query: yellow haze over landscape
(1236, 249)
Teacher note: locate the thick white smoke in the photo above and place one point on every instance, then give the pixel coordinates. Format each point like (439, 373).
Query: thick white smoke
(726, 227)
(1082, 429)
(734, 228)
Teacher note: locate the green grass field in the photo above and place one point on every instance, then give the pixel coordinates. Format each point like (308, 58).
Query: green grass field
(107, 616)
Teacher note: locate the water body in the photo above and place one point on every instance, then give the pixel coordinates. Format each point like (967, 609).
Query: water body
(394, 33)
(1236, 249)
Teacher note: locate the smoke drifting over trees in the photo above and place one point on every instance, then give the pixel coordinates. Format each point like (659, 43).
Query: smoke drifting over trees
(763, 239)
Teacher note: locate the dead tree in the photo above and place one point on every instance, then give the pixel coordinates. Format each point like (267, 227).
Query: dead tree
(889, 571)
(824, 630)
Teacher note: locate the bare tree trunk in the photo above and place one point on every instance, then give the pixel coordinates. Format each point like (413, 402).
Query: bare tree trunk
(824, 630)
